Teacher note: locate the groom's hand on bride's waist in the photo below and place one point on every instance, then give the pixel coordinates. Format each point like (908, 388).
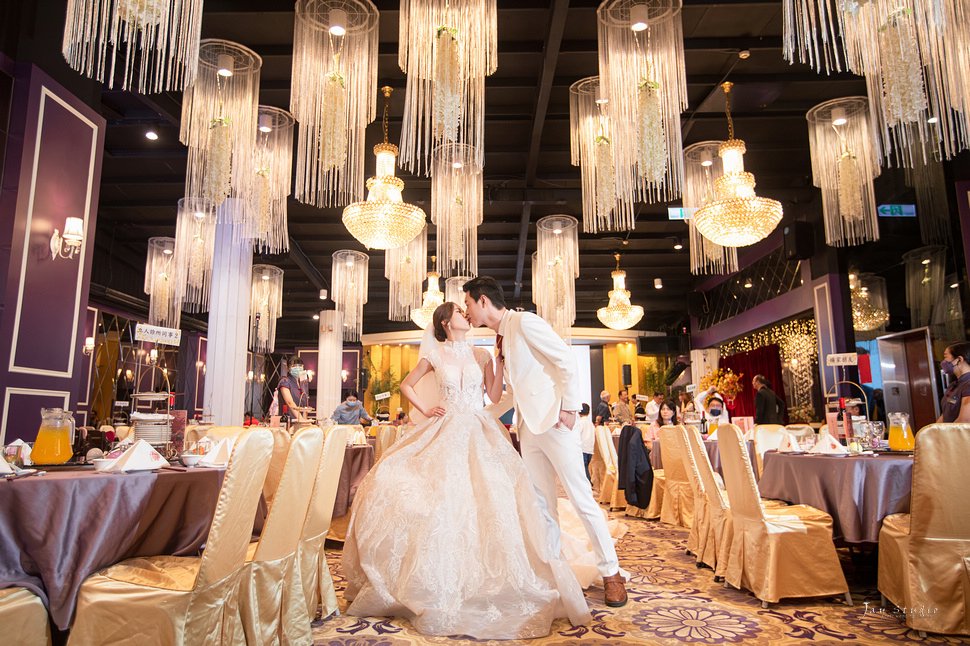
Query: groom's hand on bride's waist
(567, 419)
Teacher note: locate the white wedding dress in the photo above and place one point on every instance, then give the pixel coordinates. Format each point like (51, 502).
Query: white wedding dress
(447, 530)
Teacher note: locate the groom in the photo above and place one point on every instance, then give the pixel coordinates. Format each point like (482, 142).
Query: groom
(540, 371)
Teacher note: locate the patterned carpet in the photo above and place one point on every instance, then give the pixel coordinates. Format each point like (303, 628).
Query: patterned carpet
(674, 602)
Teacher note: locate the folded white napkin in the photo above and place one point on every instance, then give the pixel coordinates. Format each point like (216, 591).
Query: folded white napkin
(140, 457)
(219, 455)
(827, 444)
(359, 438)
(5, 468)
(712, 436)
(24, 452)
(151, 417)
(789, 445)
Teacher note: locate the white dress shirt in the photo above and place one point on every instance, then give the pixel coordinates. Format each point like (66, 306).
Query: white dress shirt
(587, 433)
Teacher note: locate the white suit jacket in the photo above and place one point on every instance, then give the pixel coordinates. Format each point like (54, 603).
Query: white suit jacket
(540, 373)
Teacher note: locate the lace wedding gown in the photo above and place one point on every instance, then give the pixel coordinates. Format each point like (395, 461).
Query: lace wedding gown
(447, 530)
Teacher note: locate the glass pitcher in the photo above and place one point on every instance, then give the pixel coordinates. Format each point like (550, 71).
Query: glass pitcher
(55, 438)
(901, 436)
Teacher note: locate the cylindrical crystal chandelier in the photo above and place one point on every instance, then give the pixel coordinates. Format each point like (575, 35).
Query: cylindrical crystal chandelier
(405, 268)
(265, 306)
(333, 97)
(608, 197)
(195, 238)
(349, 284)
(845, 161)
(454, 290)
(557, 268)
(619, 314)
(219, 120)
(701, 166)
(870, 305)
(641, 65)
(161, 284)
(154, 43)
(432, 298)
(272, 182)
(925, 269)
(737, 217)
(447, 48)
(456, 207)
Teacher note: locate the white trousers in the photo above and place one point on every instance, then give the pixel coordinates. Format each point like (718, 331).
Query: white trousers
(558, 452)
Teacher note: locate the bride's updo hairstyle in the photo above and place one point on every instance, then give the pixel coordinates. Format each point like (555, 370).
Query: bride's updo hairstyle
(442, 315)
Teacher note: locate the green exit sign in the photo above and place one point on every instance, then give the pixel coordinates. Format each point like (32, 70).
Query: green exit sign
(897, 210)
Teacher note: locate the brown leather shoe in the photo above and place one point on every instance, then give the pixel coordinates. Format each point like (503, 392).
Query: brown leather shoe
(615, 590)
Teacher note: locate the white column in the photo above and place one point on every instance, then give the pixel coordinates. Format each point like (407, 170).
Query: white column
(329, 362)
(225, 379)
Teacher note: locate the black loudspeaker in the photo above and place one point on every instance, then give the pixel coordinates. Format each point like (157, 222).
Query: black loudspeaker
(364, 380)
(627, 374)
(697, 303)
(675, 370)
(799, 241)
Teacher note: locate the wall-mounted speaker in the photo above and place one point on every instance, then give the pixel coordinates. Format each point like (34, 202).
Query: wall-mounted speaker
(798, 240)
(627, 374)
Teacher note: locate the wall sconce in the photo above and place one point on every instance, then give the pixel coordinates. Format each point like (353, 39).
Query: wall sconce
(344, 375)
(88, 348)
(262, 377)
(129, 375)
(309, 375)
(153, 356)
(68, 245)
(249, 376)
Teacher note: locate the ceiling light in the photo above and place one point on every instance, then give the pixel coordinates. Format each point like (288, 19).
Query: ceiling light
(316, 317)
(457, 164)
(678, 245)
(658, 283)
(954, 285)
(619, 314)
(602, 101)
(838, 117)
(747, 284)
(744, 54)
(224, 65)
(933, 120)
(167, 252)
(265, 123)
(926, 261)
(638, 17)
(338, 22)
(151, 135)
(323, 294)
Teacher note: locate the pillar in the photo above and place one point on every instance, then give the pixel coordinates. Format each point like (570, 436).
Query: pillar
(329, 362)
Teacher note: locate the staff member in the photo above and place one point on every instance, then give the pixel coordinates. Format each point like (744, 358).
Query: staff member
(351, 411)
(955, 405)
(293, 393)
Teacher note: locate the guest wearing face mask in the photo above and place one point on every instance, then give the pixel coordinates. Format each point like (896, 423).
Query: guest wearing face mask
(351, 411)
(712, 404)
(293, 394)
(955, 405)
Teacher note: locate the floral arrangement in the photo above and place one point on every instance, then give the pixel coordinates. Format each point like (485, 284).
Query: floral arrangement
(722, 381)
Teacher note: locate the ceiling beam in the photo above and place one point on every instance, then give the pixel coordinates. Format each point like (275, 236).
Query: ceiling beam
(307, 267)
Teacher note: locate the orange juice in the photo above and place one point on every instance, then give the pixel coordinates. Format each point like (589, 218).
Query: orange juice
(901, 436)
(53, 445)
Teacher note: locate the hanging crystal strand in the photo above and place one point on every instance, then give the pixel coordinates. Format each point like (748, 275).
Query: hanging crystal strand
(218, 173)
(333, 126)
(605, 172)
(651, 141)
(447, 86)
(903, 87)
(849, 181)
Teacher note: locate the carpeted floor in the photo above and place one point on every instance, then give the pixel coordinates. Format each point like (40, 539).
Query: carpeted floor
(674, 602)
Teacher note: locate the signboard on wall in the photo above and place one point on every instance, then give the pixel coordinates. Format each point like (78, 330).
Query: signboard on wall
(842, 359)
(679, 213)
(157, 334)
(382, 396)
(896, 210)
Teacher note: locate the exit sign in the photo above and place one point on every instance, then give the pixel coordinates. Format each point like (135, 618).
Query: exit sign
(897, 210)
(679, 213)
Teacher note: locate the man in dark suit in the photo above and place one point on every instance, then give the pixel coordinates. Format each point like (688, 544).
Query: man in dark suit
(602, 413)
(767, 406)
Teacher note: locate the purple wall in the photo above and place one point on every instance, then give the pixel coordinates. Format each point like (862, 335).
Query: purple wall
(963, 204)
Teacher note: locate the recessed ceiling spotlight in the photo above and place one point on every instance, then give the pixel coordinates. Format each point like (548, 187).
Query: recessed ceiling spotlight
(151, 135)
(639, 15)
(323, 294)
(744, 54)
(678, 245)
(456, 165)
(658, 283)
(747, 284)
(954, 285)
(316, 317)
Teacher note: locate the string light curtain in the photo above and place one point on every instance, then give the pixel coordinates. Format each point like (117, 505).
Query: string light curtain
(620, 314)
(925, 269)
(557, 266)
(701, 166)
(333, 97)
(870, 305)
(932, 206)
(447, 48)
(641, 66)
(265, 306)
(219, 121)
(349, 281)
(273, 179)
(154, 43)
(845, 162)
(195, 238)
(457, 207)
(454, 289)
(161, 284)
(404, 268)
(431, 299)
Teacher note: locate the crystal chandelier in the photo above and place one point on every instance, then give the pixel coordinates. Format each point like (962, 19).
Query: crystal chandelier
(447, 48)
(404, 268)
(274, 170)
(845, 161)
(925, 269)
(265, 306)
(384, 220)
(155, 43)
(421, 316)
(161, 284)
(737, 217)
(195, 238)
(641, 66)
(333, 98)
(349, 281)
(619, 314)
(556, 271)
(456, 206)
(870, 311)
(455, 289)
(701, 166)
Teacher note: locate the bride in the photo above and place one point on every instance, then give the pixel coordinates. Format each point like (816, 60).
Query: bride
(447, 530)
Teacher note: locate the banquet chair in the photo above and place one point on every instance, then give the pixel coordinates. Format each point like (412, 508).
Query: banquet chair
(767, 437)
(604, 446)
(386, 436)
(271, 602)
(712, 531)
(281, 447)
(924, 556)
(775, 552)
(678, 497)
(597, 466)
(23, 618)
(182, 600)
(313, 569)
(701, 516)
(800, 431)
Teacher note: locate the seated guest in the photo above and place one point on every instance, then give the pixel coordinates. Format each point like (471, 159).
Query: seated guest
(293, 395)
(666, 416)
(402, 417)
(634, 473)
(351, 411)
(653, 406)
(684, 404)
(587, 437)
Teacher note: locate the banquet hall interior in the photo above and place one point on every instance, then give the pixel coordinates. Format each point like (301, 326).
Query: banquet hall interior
(226, 226)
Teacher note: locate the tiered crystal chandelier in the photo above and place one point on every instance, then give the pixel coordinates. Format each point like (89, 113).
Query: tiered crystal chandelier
(641, 65)
(454, 289)
(619, 314)
(349, 283)
(384, 220)
(156, 40)
(870, 308)
(433, 297)
(219, 121)
(195, 238)
(274, 170)
(333, 97)
(701, 166)
(161, 284)
(404, 268)
(447, 48)
(557, 268)
(456, 206)
(845, 161)
(265, 306)
(737, 217)
(925, 269)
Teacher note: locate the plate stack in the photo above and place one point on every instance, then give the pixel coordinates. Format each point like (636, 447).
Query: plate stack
(154, 428)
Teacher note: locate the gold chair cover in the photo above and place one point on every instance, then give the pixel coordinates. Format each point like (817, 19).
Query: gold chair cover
(711, 517)
(175, 600)
(314, 572)
(386, 436)
(924, 556)
(271, 601)
(678, 498)
(767, 437)
(776, 552)
(610, 493)
(281, 446)
(23, 618)
(701, 519)
(597, 466)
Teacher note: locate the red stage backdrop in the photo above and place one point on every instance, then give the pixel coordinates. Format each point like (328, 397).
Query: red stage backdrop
(764, 361)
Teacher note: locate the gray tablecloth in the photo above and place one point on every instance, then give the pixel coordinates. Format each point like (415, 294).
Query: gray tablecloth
(58, 529)
(857, 491)
(358, 460)
(711, 447)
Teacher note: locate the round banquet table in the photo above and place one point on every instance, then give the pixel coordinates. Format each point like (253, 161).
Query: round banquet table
(60, 528)
(358, 460)
(856, 491)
